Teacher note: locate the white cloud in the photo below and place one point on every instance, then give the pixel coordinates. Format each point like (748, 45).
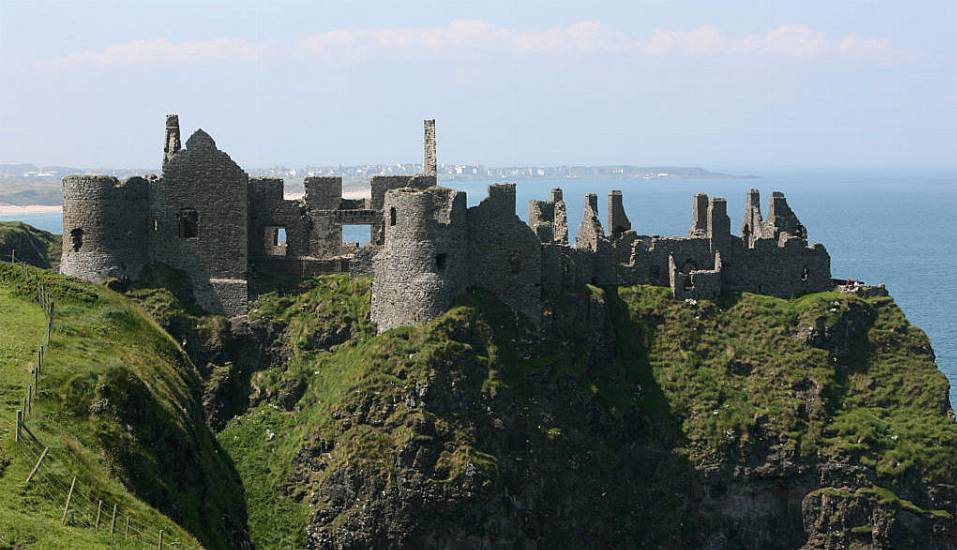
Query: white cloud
(582, 38)
(161, 51)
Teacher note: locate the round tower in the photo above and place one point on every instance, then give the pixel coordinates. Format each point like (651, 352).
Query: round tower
(421, 267)
(105, 227)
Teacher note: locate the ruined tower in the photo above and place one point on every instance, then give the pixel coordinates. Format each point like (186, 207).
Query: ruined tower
(104, 227)
(699, 216)
(430, 165)
(422, 266)
(719, 224)
(617, 219)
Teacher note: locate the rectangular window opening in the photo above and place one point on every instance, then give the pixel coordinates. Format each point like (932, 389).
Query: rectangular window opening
(356, 235)
(276, 241)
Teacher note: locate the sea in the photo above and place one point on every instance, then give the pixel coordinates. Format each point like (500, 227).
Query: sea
(893, 227)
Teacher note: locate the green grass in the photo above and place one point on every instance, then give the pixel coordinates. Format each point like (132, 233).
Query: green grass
(715, 383)
(118, 407)
(31, 245)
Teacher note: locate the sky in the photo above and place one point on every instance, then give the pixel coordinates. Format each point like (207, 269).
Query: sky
(714, 84)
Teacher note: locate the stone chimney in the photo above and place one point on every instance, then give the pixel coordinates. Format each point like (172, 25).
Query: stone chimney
(172, 144)
(430, 166)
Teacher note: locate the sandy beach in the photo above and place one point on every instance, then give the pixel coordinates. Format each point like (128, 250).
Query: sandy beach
(17, 210)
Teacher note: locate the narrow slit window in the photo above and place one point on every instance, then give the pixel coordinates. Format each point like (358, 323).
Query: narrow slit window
(392, 216)
(440, 262)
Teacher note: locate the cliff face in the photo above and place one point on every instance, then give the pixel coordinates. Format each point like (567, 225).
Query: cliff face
(645, 422)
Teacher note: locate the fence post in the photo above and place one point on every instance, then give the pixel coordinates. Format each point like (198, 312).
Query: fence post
(113, 522)
(33, 472)
(99, 508)
(19, 425)
(29, 400)
(161, 540)
(126, 533)
(36, 376)
(66, 507)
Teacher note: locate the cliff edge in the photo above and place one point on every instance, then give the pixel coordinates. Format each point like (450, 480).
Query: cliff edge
(644, 422)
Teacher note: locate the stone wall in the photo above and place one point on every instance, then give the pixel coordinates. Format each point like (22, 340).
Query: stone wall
(504, 254)
(105, 225)
(208, 219)
(421, 267)
(200, 215)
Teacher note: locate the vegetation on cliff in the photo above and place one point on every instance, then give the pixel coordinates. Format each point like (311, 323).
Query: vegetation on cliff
(748, 422)
(641, 422)
(118, 406)
(29, 244)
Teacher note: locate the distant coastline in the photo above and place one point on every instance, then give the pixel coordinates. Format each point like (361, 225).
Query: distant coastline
(22, 210)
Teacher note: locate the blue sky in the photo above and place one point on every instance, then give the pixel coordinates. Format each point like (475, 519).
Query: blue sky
(716, 84)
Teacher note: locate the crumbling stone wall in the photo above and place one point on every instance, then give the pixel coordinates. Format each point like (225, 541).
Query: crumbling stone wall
(206, 217)
(422, 267)
(549, 219)
(618, 222)
(104, 227)
(504, 255)
(200, 221)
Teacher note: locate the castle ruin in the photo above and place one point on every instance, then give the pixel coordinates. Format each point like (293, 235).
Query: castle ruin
(207, 218)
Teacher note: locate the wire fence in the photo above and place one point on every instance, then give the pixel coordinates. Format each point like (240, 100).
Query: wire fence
(52, 478)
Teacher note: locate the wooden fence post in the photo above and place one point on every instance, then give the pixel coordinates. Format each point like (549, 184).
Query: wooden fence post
(161, 540)
(33, 472)
(99, 508)
(113, 521)
(66, 507)
(29, 400)
(19, 425)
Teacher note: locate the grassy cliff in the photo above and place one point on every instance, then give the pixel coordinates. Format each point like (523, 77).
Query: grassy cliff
(118, 407)
(29, 244)
(750, 422)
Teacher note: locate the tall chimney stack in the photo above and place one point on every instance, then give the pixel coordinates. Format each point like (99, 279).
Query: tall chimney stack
(172, 144)
(430, 166)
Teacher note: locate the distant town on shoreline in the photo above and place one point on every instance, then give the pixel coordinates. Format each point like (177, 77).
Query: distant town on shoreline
(29, 184)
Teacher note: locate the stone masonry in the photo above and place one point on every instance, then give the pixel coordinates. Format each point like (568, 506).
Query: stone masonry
(207, 218)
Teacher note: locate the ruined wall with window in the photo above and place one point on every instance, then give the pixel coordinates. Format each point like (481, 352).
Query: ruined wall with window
(423, 264)
(199, 213)
(104, 227)
(504, 254)
(207, 218)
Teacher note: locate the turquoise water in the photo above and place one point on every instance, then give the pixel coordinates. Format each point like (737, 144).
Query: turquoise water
(878, 227)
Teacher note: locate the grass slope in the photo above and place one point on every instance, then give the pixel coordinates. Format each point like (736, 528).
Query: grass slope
(118, 408)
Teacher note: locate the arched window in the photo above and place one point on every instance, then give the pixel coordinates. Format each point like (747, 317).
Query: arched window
(392, 216)
(805, 274)
(187, 223)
